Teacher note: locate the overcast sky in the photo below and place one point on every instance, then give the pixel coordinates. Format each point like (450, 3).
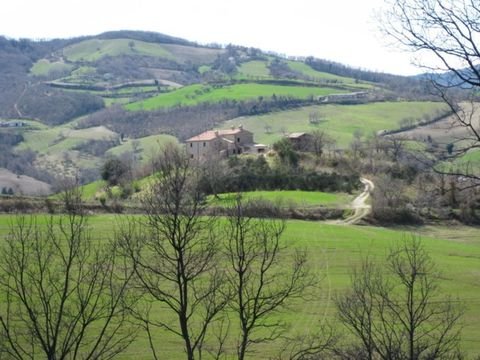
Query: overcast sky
(340, 30)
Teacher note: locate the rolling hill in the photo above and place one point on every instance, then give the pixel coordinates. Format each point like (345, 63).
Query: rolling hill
(134, 84)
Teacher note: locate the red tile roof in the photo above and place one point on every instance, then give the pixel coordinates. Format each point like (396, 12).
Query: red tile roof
(212, 134)
(296, 135)
(205, 136)
(230, 131)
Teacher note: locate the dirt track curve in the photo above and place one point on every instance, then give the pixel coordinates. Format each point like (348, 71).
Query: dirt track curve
(359, 204)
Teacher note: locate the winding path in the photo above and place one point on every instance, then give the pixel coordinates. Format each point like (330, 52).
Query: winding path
(20, 115)
(359, 204)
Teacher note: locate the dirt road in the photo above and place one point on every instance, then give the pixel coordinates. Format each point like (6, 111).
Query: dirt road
(359, 204)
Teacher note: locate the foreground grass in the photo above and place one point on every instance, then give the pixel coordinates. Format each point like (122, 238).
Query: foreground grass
(340, 121)
(196, 94)
(333, 250)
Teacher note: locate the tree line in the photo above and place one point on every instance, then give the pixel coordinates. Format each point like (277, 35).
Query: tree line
(186, 121)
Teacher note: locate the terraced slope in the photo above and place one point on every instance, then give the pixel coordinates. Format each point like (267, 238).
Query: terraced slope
(195, 94)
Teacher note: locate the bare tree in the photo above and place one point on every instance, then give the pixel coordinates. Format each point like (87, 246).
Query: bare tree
(448, 33)
(214, 171)
(318, 141)
(65, 293)
(398, 314)
(395, 145)
(174, 254)
(262, 279)
(314, 117)
(317, 345)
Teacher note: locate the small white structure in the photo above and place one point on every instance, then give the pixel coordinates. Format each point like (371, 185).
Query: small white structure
(12, 123)
(344, 98)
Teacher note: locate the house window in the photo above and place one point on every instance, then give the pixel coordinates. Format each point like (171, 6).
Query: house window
(191, 144)
(238, 139)
(204, 144)
(233, 151)
(191, 156)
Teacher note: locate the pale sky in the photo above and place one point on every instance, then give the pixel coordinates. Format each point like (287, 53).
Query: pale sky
(340, 30)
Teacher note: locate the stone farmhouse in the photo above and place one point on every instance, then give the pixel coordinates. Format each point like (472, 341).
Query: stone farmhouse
(300, 140)
(229, 142)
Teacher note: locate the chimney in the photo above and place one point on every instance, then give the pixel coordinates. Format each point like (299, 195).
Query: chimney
(216, 133)
(240, 127)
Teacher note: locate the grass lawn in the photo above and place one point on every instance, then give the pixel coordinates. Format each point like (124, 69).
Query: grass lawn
(340, 121)
(195, 94)
(333, 250)
(288, 198)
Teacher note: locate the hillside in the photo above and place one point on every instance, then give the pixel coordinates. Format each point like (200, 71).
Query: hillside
(90, 93)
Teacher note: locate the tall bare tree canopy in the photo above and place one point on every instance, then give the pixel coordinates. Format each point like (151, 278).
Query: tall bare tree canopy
(446, 36)
(447, 29)
(395, 311)
(173, 252)
(258, 275)
(64, 294)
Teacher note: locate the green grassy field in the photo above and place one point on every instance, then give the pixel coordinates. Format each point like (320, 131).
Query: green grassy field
(148, 146)
(471, 158)
(192, 54)
(323, 76)
(90, 190)
(79, 74)
(259, 69)
(114, 101)
(253, 69)
(340, 121)
(62, 138)
(333, 250)
(44, 67)
(195, 94)
(94, 49)
(55, 148)
(204, 68)
(288, 198)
